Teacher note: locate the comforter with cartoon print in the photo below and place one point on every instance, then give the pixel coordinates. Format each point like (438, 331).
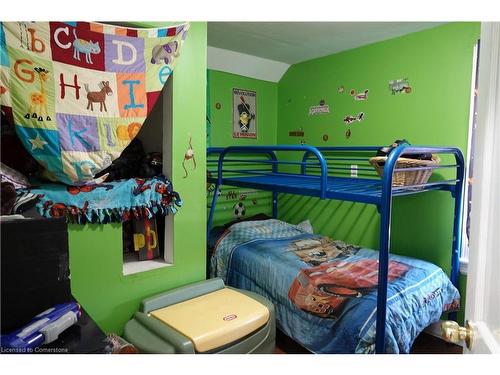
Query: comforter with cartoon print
(325, 291)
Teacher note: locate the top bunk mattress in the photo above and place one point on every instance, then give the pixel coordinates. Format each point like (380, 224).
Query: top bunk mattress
(325, 291)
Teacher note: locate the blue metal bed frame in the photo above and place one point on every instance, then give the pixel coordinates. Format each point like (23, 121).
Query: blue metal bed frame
(320, 184)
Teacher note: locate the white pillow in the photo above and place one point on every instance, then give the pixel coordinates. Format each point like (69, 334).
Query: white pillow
(305, 226)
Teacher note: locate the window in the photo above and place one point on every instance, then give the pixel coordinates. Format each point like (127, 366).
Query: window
(464, 255)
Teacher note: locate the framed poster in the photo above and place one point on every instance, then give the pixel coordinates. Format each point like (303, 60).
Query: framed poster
(244, 114)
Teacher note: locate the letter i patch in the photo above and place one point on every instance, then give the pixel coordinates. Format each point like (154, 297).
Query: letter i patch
(132, 100)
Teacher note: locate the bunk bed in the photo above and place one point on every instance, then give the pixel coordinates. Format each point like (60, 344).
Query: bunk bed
(325, 172)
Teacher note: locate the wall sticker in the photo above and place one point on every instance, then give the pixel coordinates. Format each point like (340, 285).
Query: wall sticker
(239, 209)
(348, 134)
(231, 194)
(189, 155)
(349, 119)
(244, 114)
(400, 85)
(325, 137)
(210, 186)
(361, 96)
(319, 109)
(341, 89)
(296, 133)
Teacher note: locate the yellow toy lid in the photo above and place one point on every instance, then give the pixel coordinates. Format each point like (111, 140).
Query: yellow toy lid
(215, 319)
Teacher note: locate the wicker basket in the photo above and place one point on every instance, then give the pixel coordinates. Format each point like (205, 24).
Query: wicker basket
(410, 177)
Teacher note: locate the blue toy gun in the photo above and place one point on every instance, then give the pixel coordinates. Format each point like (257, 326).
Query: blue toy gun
(44, 328)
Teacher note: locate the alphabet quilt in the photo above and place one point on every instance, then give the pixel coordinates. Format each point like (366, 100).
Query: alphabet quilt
(79, 92)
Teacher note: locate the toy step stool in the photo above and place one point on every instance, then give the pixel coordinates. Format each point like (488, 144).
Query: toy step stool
(204, 317)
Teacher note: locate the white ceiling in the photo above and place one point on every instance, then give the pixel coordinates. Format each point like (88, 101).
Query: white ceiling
(293, 42)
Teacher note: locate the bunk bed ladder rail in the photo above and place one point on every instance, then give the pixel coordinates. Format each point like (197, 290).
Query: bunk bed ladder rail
(385, 209)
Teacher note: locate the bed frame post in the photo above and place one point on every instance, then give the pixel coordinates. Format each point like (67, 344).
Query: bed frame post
(457, 225)
(385, 208)
(212, 209)
(216, 191)
(383, 269)
(275, 193)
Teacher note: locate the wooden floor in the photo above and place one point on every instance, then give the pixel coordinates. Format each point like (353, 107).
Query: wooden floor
(427, 344)
(424, 344)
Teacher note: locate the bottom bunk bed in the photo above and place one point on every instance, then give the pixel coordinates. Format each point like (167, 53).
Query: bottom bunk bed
(325, 291)
(390, 299)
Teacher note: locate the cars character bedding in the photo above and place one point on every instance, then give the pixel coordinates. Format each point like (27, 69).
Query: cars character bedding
(325, 291)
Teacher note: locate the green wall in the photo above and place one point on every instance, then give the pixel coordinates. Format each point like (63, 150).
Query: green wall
(97, 281)
(438, 64)
(220, 86)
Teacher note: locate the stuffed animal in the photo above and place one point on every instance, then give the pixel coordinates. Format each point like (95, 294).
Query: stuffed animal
(164, 53)
(385, 151)
(151, 165)
(134, 162)
(127, 165)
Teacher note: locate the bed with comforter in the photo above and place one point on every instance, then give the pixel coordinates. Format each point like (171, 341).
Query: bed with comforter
(325, 291)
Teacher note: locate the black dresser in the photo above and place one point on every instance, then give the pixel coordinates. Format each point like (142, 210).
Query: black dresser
(35, 276)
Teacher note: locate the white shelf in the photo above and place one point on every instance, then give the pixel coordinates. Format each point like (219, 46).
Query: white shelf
(132, 265)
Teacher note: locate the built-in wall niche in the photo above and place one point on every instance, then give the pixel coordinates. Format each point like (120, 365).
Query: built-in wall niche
(156, 136)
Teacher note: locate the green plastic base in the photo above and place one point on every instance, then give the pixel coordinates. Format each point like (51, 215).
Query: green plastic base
(149, 335)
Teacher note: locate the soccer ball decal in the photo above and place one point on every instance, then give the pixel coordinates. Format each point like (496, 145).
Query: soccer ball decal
(239, 209)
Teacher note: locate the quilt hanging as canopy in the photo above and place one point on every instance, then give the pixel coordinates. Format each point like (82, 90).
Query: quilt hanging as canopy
(79, 92)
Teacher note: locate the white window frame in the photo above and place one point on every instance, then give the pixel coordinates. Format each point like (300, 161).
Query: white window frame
(464, 251)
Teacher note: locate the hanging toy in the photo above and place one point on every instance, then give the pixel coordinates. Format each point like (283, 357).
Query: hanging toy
(188, 156)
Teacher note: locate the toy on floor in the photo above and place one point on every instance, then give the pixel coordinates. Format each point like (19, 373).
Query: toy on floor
(44, 328)
(204, 317)
(118, 345)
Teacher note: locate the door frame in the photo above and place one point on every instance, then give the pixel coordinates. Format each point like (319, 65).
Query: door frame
(485, 198)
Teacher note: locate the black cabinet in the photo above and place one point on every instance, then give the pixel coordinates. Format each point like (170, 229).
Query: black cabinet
(34, 270)
(35, 276)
